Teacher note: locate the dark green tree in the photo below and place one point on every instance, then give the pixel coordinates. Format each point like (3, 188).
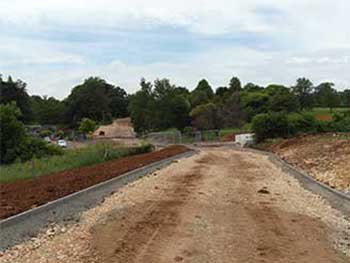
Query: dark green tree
(16, 91)
(202, 94)
(327, 96)
(283, 100)
(345, 98)
(235, 85)
(254, 103)
(87, 125)
(12, 133)
(221, 91)
(142, 108)
(47, 110)
(231, 113)
(303, 90)
(97, 100)
(251, 87)
(204, 117)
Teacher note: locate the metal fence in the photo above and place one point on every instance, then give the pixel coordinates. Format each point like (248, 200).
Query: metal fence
(177, 137)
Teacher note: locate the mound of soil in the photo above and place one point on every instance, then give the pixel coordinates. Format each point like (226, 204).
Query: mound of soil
(119, 128)
(325, 157)
(19, 196)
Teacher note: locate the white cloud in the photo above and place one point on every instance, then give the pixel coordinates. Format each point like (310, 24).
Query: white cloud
(217, 66)
(18, 52)
(312, 36)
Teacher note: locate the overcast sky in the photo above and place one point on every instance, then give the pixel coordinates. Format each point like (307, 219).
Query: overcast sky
(55, 44)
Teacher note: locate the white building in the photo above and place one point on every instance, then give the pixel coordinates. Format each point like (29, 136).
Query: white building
(244, 139)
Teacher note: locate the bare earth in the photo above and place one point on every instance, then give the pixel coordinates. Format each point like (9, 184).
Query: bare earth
(325, 157)
(221, 205)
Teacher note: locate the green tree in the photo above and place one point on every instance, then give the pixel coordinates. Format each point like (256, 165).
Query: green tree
(142, 108)
(231, 113)
(270, 125)
(16, 91)
(303, 90)
(251, 87)
(345, 98)
(202, 94)
(204, 116)
(15, 144)
(87, 125)
(254, 103)
(235, 85)
(160, 106)
(12, 133)
(221, 91)
(47, 110)
(283, 100)
(180, 109)
(273, 89)
(327, 96)
(97, 100)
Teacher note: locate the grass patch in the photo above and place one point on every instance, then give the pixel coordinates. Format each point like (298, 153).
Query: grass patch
(267, 144)
(228, 131)
(76, 158)
(326, 114)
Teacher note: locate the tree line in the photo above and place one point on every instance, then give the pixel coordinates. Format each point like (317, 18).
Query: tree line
(272, 111)
(162, 105)
(94, 99)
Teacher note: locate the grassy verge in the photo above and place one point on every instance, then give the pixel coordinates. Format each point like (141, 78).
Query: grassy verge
(76, 158)
(267, 144)
(227, 132)
(326, 114)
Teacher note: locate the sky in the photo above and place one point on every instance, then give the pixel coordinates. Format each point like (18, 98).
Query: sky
(53, 45)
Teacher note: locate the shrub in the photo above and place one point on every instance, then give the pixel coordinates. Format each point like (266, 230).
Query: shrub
(270, 125)
(274, 125)
(45, 133)
(37, 148)
(188, 129)
(301, 123)
(87, 125)
(341, 122)
(60, 134)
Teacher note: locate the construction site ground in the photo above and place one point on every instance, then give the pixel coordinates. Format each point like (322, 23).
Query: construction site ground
(19, 196)
(221, 205)
(325, 157)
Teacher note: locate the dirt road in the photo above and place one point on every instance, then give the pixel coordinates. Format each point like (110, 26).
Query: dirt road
(221, 205)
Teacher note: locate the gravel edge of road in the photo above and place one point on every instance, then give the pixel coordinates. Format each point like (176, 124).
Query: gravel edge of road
(68, 209)
(337, 199)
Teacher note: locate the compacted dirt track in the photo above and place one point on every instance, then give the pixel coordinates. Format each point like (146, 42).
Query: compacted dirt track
(221, 205)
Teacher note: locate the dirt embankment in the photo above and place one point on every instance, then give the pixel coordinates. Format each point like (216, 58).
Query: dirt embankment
(325, 157)
(23, 195)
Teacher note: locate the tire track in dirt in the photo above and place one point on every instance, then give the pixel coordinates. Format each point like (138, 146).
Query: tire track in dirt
(154, 221)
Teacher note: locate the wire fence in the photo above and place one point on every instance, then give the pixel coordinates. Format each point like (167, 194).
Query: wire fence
(177, 137)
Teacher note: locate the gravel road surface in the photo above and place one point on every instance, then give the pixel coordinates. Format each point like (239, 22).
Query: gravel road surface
(220, 205)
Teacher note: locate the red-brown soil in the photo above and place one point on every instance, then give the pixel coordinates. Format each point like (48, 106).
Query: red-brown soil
(229, 137)
(19, 196)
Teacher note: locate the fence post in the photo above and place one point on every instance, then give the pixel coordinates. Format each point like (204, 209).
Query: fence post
(180, 137)
(33, 167)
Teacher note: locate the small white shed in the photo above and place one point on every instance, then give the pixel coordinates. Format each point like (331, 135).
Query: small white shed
(244, 139)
